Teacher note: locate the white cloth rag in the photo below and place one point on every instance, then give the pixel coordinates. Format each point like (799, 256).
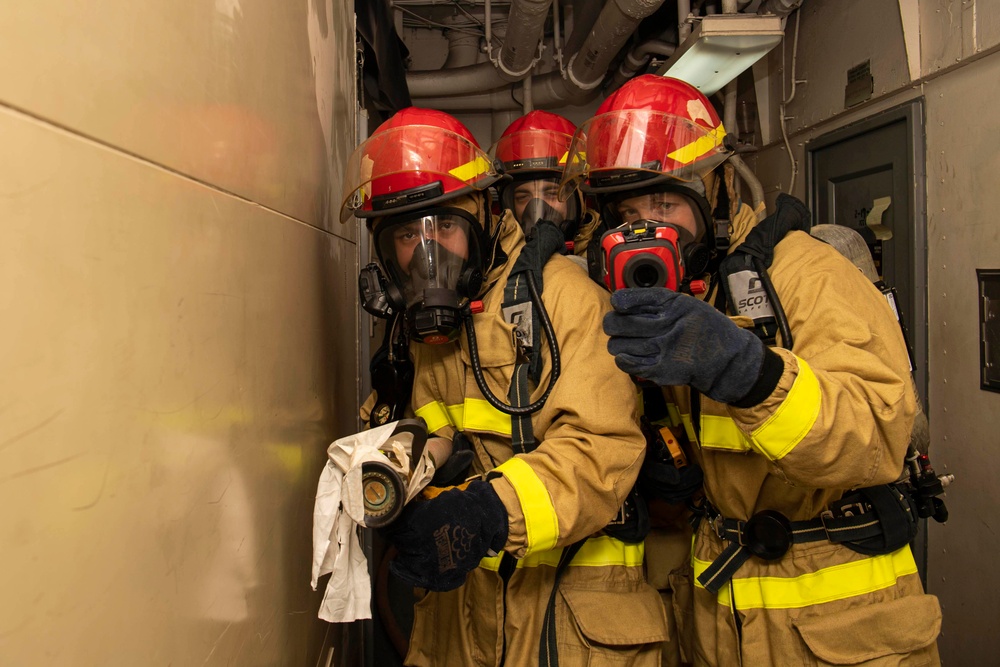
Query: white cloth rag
(340, 509)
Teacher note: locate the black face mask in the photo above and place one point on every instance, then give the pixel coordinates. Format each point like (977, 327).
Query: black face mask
(538, 207)
(433, 261)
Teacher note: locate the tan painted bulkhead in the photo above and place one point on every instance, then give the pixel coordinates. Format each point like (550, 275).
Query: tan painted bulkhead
(959, 65)
(179, 340)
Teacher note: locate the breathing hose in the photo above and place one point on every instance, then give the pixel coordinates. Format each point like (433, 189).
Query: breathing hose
(477, 371)
(779, 312)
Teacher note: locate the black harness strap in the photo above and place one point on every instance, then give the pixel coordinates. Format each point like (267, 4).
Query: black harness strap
(548, 650)
(520, 310)
(769, 535)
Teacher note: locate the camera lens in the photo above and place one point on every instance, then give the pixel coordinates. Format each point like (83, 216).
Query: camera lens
(645, 270)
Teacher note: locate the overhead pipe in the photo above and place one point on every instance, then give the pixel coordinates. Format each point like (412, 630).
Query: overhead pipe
(585, 13)
(469, 81)
(637, 59)
(683, 14)
(556, 35)
(525, 29)
(514, 61)
(618, 21)
(463, 49)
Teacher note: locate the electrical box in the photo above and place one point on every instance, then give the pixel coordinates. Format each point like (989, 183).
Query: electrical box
(989, 328)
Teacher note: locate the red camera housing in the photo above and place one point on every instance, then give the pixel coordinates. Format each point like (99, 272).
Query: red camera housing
(643, 254)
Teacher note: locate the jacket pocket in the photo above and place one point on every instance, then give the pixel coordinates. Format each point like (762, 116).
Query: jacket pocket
(903, 631)
(613, 627)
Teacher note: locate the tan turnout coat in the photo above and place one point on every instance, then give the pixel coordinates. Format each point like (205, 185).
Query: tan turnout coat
(588, 457)
(840, 418)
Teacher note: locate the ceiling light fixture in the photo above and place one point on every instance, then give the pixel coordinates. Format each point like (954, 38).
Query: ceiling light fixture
(721, 46)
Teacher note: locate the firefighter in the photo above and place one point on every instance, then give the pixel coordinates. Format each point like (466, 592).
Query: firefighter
(801, 555)
(532, 151)
(513, 562)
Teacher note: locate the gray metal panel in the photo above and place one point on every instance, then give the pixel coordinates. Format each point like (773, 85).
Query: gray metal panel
(963, 200)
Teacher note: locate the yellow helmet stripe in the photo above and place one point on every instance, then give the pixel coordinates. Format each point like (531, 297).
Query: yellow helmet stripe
(470, 170)
(698, 147)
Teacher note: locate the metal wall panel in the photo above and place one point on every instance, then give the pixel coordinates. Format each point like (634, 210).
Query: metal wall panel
(952, 30)
(175, 362)
(834, 37)
(180, 332)
(238, 94)
(963, 234)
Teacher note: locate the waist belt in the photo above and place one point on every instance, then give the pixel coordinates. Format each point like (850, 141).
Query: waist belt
(769, 535)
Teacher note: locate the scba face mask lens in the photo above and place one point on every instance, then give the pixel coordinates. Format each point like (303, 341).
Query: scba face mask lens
(434, 260)
(535, 200)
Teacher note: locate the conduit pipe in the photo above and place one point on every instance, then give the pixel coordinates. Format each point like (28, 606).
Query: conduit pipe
(618, 20)
(463, 49)
(525, 27)
(637, 59)
(683, 13)
(515, 59)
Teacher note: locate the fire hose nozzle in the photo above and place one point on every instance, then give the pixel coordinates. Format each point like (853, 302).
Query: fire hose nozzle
(384, 486)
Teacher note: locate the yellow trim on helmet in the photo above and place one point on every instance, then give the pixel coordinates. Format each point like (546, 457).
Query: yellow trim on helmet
(827, 584)
(700, 146)
(793, 419)
(469, 171)
(540, 520)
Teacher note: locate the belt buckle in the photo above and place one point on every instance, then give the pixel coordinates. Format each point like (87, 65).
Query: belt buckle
(718, 527)
(852, 509)
(767, 534)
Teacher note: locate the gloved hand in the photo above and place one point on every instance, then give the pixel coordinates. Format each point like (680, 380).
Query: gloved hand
(442, 539)
(675, 339)
(662, 480)
(456, 467)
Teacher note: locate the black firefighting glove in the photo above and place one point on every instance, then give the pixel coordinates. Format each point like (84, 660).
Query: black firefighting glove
(675, 339)
(442, 539)
(456, 467)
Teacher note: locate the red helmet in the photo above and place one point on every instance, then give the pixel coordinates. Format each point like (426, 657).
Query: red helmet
(416, 158)
(535, 145)
(653, 129)
(533, 151)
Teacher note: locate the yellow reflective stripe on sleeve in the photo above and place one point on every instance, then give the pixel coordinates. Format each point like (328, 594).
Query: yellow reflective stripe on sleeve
(471, 169)
(540, 520)
(794, 417)
(837, 582)
(694, 150)
(435, 415)
(474, 415)
(481, 416)
(718, 432)
(602, 551)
